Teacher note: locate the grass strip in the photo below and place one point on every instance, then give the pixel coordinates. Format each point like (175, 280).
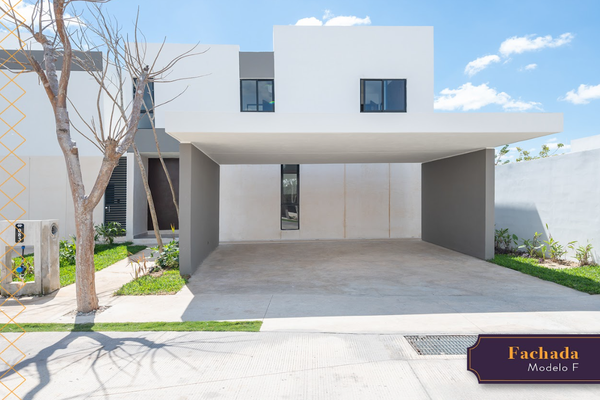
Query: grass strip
(585, 279)
(170, 282)
(187, 326)
(104, 256)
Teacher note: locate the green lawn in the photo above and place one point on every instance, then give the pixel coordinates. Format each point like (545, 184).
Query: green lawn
(170, 282)
(585, 279)
(104, 255)
(214, 326)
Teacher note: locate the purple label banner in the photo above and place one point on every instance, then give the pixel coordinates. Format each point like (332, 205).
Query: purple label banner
(535, 359)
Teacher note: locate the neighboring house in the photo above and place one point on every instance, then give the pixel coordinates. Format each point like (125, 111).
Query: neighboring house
(331, 136)
(561, 191)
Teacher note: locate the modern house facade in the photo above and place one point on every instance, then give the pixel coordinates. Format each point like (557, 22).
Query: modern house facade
(330, 136)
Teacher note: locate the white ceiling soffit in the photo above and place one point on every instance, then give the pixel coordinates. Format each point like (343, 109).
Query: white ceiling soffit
(275, 138)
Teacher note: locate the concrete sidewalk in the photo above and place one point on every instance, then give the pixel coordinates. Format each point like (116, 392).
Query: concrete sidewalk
(228, 365)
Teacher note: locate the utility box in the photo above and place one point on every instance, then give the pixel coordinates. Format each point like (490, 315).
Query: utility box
(43, 237)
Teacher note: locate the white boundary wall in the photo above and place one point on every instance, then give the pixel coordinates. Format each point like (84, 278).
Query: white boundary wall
(337, 201)
(561, 191)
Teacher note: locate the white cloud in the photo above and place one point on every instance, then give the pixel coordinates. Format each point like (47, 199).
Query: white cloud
(332, 20)
(552, 140)
(530, 67)
(27, 12)
(348, 21)
(312, 21)
(469, 97)
(518, 45)
(480, 64)
(584, 94)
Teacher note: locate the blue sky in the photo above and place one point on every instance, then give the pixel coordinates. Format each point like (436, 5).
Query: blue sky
(536, 51)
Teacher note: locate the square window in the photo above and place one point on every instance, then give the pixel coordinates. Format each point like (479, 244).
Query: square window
(383, 95)
(257, 95)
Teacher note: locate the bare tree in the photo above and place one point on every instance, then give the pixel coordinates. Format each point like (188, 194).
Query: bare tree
(48, 28)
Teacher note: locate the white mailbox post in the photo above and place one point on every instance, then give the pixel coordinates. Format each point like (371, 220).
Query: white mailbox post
(43, 236)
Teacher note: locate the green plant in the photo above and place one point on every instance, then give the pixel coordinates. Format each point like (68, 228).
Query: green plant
(533, 247)
(583, 254)
(525, 155)
(67, 251)
(557, 251)
(504, 240)
(503, 152)
(108, 232)
(169, 257)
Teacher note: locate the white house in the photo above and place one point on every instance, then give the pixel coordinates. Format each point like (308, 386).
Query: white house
(330, 136)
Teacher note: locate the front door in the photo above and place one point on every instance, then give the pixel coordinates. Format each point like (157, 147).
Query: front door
(161, 192)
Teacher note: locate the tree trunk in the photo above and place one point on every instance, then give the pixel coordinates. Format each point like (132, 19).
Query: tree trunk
(138, 157)
(85, 270)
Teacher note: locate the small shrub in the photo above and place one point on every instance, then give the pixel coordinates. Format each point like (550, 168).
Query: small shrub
(583, 254)
(66, 251)
(557, 251)
(108, 232)
(504, 240)
(533, 247)
(169, 257)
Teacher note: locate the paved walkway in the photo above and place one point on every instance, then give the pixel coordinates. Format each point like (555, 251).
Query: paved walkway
(265, 365)
(388, 286)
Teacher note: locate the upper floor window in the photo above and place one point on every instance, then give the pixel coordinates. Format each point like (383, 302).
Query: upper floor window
(383, 95)
(257, 95)
(147, 109)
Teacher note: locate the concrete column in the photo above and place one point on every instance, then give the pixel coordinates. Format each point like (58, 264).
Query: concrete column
(199, 180)
(458, 203)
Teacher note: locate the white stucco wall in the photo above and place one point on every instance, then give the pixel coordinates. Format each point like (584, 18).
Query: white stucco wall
(561, 191)
(47, 194)
(208, 81)
(337, 201)
(318, 69)
(586, 143)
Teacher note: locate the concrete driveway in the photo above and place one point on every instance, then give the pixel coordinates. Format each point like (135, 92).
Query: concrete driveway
(399, 286)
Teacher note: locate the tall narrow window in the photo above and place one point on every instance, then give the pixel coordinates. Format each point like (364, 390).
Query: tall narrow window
(290, 197)
(383, 95)
(147, 109)
(257, 95)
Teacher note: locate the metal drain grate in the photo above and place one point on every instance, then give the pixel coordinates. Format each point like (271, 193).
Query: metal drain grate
(437, 345)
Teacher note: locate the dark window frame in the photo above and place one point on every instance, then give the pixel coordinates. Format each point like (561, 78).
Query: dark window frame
(282, 204)
(362, 95)
(143, 111)
(256, 81)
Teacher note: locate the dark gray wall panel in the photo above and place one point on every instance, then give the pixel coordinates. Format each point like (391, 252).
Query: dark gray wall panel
(458, 203)
(144, 140)
(259, 65)
(199, 180)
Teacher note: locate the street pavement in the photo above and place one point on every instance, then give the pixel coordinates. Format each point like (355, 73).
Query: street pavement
(262, 365)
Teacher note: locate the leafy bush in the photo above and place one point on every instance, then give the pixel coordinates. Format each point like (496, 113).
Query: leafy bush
(583, 254)
(557, 251)
(108, 232)
(504, 240)
(66, 251)
(533, 247)
(169, 257)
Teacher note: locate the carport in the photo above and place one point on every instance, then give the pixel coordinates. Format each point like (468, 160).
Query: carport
(456, 152)
(384, 286)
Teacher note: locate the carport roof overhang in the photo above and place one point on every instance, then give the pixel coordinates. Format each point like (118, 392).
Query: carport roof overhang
(287, 138)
